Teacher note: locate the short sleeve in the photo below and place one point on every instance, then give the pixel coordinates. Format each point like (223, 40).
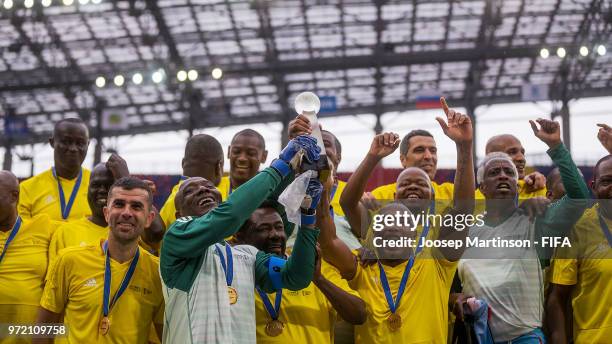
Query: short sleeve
(24, 207)
(564, 271)
(55, 294)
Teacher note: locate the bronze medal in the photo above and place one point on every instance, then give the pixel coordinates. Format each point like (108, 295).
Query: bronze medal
(104, 325)
(233, 295)
(274, 328)
(394, 322)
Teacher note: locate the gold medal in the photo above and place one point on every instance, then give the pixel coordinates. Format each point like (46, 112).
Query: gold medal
(233, 295)
(394, 322)
(104, 325)
(274, 328)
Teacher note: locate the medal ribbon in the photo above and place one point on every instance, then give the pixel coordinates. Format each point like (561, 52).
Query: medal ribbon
(273, 311)
(604, 227)
(228, 268)
(11, 236)
(75, 190)
(106, 305)
(383, 277)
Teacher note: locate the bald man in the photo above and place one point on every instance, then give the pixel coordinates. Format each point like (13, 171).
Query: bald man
(203, 158)
(531, 185)
(61, 191)
(23, 258)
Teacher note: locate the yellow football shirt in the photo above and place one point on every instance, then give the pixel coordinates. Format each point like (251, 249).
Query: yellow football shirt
(40, 195)
(307, 314)
(80, 232)
(443, 191)
(75, 287)
(424, 305)
(23, 269)
(335, 202)
(168, 211)
(588, 266)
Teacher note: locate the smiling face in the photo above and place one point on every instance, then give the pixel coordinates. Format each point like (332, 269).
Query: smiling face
(246, 154)
(422, 153)
(99, 183)
(128, 213)
(265, 230)
(499, 180)
(196, 196)
(413, 189)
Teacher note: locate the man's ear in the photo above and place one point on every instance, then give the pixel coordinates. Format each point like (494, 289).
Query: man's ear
(183, 163)
(52, 142)
(229, 149)
(106, 213)
(264, 156)
(549, 194)
(403, 160)
(219, 169)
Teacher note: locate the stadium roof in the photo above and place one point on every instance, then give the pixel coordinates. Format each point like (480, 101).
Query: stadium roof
(372, 56)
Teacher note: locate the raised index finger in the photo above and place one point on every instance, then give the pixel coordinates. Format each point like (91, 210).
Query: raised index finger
(444, 105)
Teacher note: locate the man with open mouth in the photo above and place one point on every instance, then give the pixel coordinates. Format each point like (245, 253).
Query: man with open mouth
(208, 285)
(511, 280)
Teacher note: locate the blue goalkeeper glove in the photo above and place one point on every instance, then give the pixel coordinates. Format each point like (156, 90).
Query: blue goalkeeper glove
(301, 147)
(311, 200)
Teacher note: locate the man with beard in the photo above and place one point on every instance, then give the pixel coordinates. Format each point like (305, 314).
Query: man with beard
(109, 292)
(581, 273)
(511, 280)
(23, 259)
(203, 158)
(305, 316)
(61, 191)
(406, 290)
(208, 285)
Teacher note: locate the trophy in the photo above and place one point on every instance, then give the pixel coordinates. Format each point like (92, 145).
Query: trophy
(308, 104)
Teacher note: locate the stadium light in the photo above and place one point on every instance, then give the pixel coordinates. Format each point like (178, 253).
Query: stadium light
(96, 1)
(83, 2)
(561, 52)
(137, 78)
(158, 76)
(181, 75)
(584, 51)
(544, 53)
(8, 4)
(67, 2)
(46, 3)
(217, 73)
(119, 80)
(601, 50)
(100, 81)
(28, 3)
(192, 75)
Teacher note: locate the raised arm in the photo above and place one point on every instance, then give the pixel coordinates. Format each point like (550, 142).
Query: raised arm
(190, 237)
(459, 129)
(333, 249)
(561, 215)
(605, 136)
(556, 311)
(356, 214)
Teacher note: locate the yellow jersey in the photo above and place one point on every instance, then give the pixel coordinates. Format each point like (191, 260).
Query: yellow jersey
(445, 191)
(442, 191)
(168, 211)
(23, 269)
(75, 288)
(307, 314)
(335, 202)
(588, 266)
(81, 232)
(40, 195)
(423, 307)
